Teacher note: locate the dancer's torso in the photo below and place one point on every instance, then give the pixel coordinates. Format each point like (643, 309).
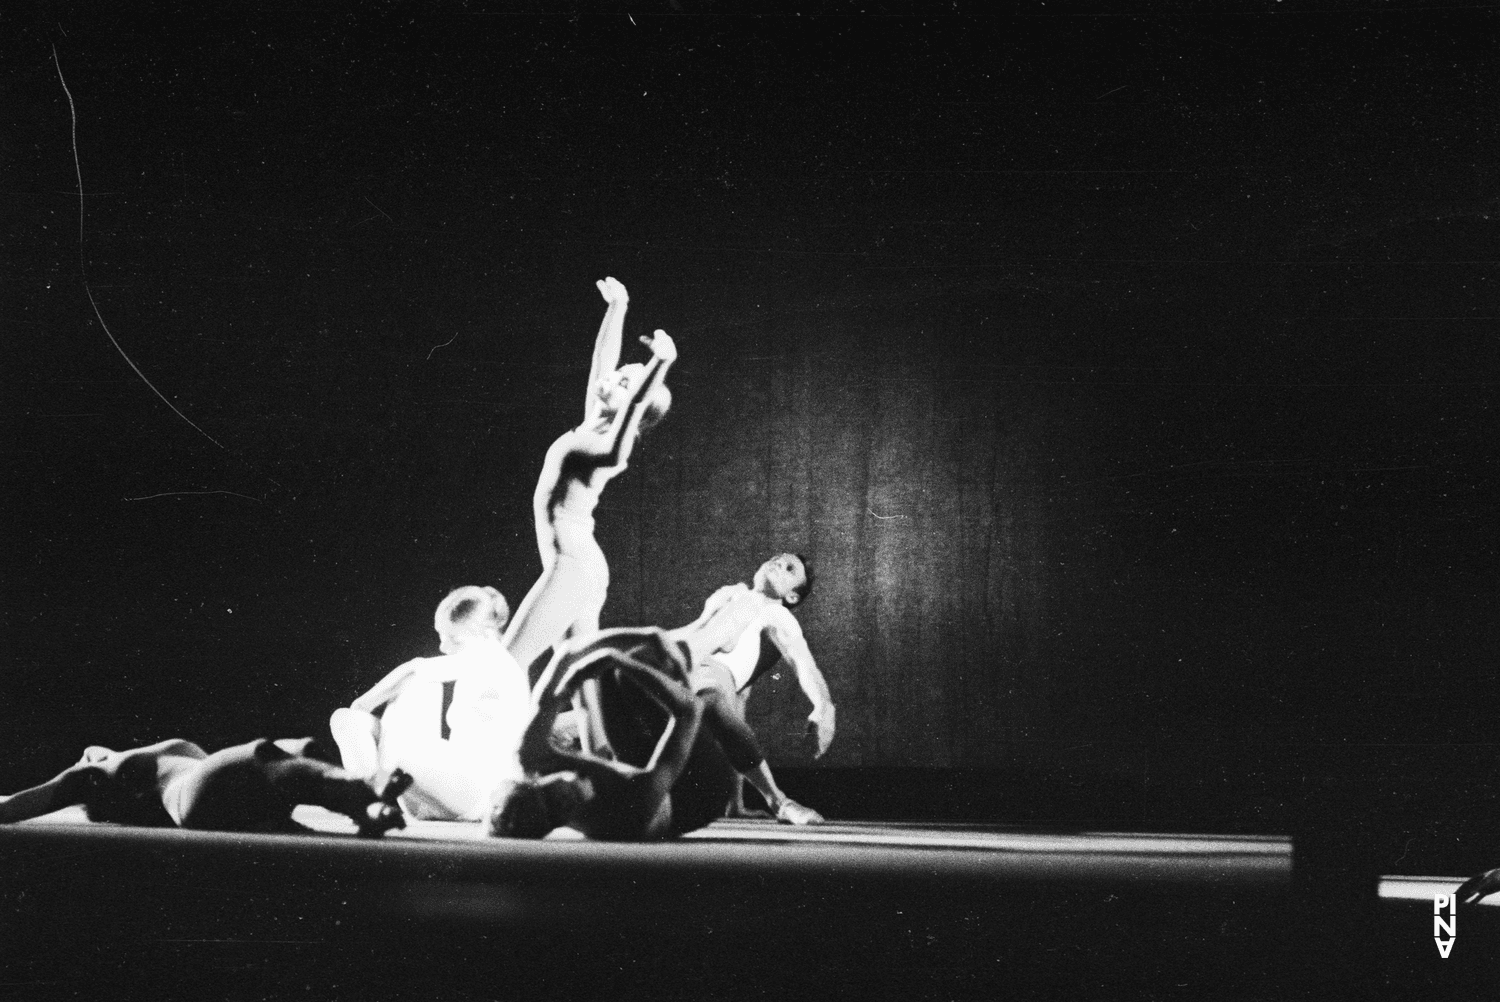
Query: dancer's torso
(732, 634)
(566, 494)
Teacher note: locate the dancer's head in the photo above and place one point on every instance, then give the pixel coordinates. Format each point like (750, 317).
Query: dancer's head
(616, 388)
(533, 806)
(121, 788)
(470, 613)
(786, 576)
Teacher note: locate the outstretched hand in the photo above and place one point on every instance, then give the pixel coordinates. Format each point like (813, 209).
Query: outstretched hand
(613, 292)
(662, 346)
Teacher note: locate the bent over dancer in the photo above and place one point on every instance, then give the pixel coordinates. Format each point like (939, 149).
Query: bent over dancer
(453, 722)
(676, 753)
(251, 787)
(727, 653)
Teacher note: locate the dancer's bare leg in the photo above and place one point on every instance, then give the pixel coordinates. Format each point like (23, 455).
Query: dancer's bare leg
(303, 780)
(559, 601)
(738, 809)
(357, 734)
(721, 716)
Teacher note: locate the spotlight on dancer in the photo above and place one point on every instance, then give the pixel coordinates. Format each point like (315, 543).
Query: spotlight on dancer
(452, 722)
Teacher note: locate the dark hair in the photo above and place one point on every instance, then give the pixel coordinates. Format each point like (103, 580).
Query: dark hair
(805, 588)
(127, 797)
(521, 812)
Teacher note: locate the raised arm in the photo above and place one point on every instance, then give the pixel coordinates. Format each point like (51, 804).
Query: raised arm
(627, 425)
(786, 633)
(607, 344)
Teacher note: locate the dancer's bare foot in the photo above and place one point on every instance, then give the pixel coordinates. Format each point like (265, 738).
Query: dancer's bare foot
(789, 812)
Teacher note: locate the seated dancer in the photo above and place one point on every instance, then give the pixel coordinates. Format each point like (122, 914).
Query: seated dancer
(620, 402)
(251, 787)
(726, 643)
(453, 722)
(676, 753)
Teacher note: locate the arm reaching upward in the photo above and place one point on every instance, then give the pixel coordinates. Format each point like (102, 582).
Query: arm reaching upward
(627, 426)
(786, 633)
(611, 334)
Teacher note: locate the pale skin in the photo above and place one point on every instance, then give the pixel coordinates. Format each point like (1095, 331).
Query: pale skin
(577, 467)
(445, 777)
(156, 769)
(741, 614)
(763, 607)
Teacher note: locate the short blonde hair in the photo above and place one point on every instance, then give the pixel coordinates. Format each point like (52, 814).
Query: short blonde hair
(471, 608)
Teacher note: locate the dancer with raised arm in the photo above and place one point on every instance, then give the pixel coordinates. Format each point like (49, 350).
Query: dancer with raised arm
(569, 596)
(676, 754)
(621, 400)
(452, 722)
(251, 787)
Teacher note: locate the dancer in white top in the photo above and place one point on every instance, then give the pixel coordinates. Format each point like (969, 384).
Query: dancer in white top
(621, 400)
(453, 723)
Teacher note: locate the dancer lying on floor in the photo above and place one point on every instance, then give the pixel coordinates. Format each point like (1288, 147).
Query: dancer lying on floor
(619, 403)
(453, 722)
(251, 787)
(726, 642)
(676, 753)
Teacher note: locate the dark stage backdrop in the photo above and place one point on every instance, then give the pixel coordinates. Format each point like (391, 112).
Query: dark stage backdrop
(1130, 380)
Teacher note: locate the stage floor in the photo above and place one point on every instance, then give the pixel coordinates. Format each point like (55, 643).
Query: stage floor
(743, 909)
(864, 850)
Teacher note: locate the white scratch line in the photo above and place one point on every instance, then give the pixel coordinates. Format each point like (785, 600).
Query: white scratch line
(78, 166)
(872, 512)
(173, 494)
(443, 345)
(376, 208)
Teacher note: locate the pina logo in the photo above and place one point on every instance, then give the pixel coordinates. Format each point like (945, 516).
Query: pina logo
(1444, 926)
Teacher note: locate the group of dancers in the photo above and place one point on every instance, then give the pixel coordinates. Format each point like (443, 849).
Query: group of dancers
(630, 733)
